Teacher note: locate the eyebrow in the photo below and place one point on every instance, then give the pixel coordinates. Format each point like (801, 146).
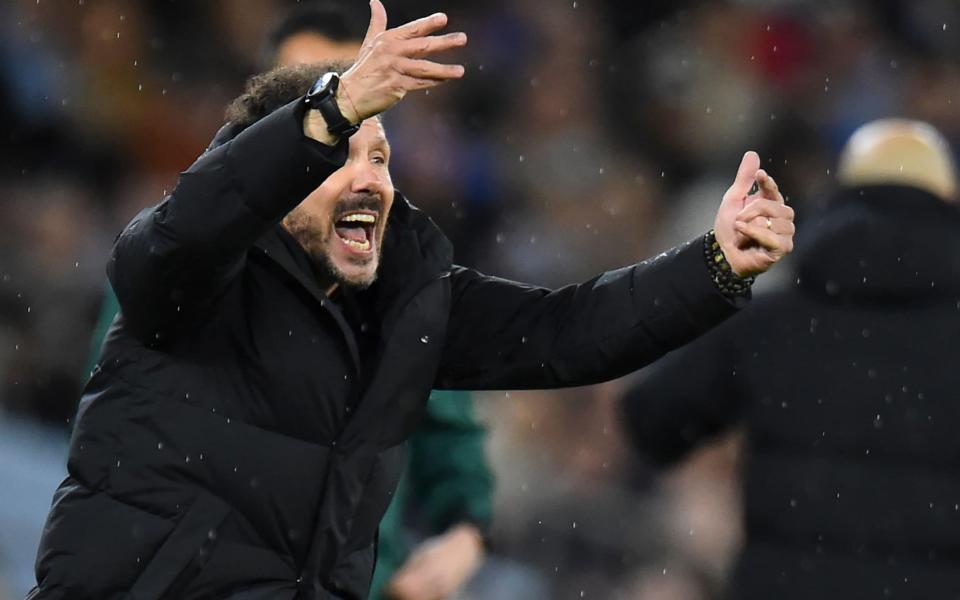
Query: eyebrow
(381, 140)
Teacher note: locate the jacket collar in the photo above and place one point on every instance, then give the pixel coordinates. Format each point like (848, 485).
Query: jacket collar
(882, 244)
(415, 252)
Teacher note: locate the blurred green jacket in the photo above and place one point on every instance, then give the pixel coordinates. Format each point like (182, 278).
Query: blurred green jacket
(447, 479)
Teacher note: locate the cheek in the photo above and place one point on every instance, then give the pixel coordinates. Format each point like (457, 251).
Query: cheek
(320, 202)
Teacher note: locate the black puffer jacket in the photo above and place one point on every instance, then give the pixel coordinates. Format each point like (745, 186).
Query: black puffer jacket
(243, 433)
(848, 384)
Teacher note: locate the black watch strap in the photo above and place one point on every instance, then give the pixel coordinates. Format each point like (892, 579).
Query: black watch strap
(323, 97)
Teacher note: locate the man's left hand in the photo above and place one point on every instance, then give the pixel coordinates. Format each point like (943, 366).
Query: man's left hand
(439, 566)
(754, 230)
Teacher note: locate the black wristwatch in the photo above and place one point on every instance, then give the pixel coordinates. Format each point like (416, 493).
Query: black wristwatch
(323, 97)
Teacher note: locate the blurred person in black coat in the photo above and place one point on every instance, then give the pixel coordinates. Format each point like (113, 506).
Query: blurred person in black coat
(284, 316)
(847, 384)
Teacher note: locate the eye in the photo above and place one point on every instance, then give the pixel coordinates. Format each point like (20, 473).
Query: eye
(378, 158)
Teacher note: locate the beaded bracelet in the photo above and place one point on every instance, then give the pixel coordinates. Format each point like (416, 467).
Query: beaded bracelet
(728, 283)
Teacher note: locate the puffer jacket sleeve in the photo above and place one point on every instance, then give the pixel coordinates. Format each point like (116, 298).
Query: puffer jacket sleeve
(505, 335)
(692, 395)
(175, 258)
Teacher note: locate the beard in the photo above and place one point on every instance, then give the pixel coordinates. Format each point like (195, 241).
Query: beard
(316, 236)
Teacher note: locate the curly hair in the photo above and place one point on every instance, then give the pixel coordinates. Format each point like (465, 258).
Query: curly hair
(266, 92)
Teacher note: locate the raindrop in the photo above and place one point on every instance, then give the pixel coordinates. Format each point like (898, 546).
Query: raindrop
(944, 26)
(159, 445)
(878, 422)
(425, 339)
(520, 158)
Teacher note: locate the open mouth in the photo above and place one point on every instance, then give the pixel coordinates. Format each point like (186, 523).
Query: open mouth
(356, 229)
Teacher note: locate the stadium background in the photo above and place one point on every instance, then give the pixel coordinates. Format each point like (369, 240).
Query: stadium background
(585, 135)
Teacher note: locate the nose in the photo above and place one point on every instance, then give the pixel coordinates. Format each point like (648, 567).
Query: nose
(365, 178)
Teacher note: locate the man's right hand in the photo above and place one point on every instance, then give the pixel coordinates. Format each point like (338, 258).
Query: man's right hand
(393, 62)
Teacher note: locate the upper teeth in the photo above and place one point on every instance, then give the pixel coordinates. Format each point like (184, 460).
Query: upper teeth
(359, 218)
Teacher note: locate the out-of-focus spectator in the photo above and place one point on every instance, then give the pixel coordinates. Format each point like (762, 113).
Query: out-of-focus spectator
(845, 383)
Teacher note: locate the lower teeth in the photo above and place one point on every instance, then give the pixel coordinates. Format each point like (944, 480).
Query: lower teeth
(357, 245)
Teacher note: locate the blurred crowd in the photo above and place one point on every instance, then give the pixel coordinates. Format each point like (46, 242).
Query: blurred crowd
(585, 135)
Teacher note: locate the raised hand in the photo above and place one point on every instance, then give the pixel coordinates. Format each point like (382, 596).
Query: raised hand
(754, 231)
(394, 61)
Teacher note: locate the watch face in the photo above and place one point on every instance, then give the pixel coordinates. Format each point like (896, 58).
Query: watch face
(321, 83)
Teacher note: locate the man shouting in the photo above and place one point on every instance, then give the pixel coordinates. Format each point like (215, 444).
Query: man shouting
(284, 316)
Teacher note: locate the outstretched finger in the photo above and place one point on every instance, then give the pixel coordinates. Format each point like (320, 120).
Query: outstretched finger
(769, 187)
(423, 46)
(746, 175)
(421, 27)
(420, 83)
(425, 69)
(378, 22)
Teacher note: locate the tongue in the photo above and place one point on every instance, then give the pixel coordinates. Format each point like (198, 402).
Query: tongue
(355, 234)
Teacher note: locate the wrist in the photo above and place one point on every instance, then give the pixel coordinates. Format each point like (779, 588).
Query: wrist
(347, 108)
(315, 128)
(724, 278)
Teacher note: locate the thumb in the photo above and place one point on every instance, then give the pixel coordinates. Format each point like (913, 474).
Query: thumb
(378, 21)
(746, 176)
